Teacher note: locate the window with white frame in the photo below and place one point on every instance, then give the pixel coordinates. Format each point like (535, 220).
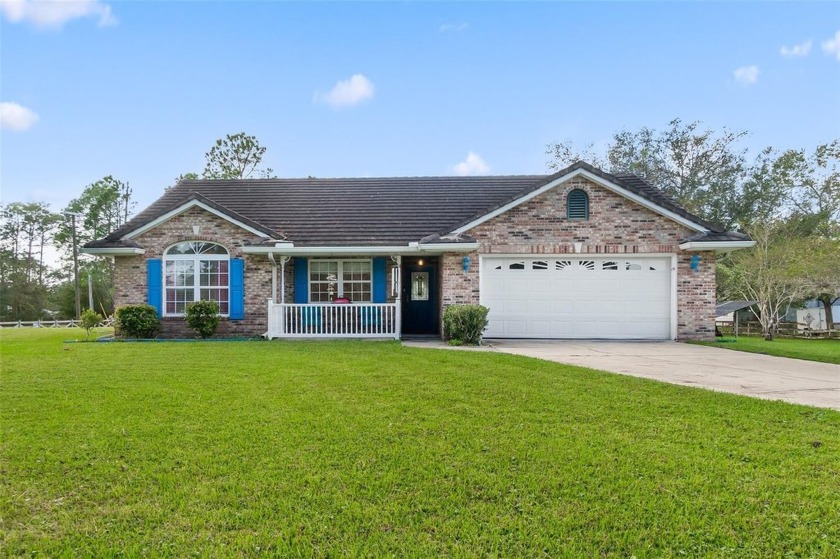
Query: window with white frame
(195, 271)
(330, 279)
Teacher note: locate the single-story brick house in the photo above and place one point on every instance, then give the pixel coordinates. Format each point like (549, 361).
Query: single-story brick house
(577, 254)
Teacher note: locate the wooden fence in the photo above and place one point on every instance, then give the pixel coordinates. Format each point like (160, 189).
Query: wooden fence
(784, 330)
(72, 323)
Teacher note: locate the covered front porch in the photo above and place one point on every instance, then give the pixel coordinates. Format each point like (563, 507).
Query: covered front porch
(354, 293)
(334, 320)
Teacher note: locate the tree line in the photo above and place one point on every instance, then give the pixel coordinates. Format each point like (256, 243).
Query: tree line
(788, 201)
(36, 243)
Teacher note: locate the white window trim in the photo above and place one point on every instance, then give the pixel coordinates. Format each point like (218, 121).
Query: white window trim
(197, 287)
(340, 280)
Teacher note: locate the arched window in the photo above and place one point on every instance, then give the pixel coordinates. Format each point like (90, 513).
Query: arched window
(577, 205)
(195, 271)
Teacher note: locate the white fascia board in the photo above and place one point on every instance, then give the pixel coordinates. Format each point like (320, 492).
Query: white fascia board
(126, 251)
(327, 250)
(621, 191)
(411, 248)
(717, 246)
(448, 247)
(184, 207)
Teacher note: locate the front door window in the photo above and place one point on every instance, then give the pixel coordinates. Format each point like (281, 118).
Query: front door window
(419, 286)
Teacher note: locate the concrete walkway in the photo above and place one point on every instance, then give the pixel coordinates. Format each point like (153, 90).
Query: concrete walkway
(738, 372)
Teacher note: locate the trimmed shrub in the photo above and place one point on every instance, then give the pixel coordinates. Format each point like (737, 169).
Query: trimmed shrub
(203, 317)
(90, 320)
(137, 321)
(464, 323)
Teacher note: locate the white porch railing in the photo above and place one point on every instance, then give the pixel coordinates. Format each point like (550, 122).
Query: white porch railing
(327, 320)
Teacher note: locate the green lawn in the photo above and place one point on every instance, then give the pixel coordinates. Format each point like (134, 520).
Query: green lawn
(372, 449)
(827, 351)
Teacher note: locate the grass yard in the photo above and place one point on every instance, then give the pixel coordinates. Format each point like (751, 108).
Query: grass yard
(826, 351)
(371, 449)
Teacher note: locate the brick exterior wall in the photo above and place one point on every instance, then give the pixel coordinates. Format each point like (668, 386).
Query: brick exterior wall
(130, 271)
(616, 225)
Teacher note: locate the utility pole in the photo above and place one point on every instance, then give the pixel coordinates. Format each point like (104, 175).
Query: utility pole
(73, 216)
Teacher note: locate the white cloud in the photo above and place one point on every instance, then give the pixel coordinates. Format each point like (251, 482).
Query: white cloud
(472, 165)
(746, 75)
(348, 92)
(55, 13)
(456, 27)
(16, 117)
(796, 50)
(832, 46)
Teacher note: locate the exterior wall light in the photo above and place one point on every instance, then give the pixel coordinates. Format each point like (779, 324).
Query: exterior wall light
(466, 263)
(695, 262)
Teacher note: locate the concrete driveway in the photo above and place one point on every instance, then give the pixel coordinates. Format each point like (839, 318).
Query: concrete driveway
(751, 374)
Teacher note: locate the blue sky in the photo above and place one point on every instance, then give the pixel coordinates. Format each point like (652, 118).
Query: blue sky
(141, 90)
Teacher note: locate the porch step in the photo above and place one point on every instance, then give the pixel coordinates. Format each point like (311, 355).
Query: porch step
(419, 337)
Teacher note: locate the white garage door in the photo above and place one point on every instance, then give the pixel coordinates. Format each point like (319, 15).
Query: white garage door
(577, 297)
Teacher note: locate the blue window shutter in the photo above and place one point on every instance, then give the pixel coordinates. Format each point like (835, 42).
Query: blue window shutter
(237, 289)
(154, 284)
(301, 280)
(380, 289)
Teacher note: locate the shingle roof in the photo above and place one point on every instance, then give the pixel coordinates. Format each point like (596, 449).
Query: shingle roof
(732, 306)
(365, 211)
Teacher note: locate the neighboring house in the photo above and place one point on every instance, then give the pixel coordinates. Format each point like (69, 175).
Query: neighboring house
(577, 254)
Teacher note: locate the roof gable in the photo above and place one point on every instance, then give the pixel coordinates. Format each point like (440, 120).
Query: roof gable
(124, 236)
(630, 187)
(198, 201)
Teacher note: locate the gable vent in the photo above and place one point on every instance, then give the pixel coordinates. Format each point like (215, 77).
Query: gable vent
(577, 205)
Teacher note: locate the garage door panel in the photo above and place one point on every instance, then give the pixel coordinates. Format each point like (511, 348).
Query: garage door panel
(583, 297)
(539, 328)
(561, 292)
(562, 329)
(648, 329)
(588, 329)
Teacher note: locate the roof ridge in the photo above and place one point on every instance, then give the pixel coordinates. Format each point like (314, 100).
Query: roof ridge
(355, 179)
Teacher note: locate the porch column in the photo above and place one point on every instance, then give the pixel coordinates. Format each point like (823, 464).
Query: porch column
(397, 285)
(273, 276)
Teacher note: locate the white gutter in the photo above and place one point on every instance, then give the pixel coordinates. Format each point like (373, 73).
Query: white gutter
(718, 246)
(411, 248)
(125, 251)
(448, 247)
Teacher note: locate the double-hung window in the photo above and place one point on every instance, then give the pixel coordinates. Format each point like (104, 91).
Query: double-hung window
(331, 279)
(195, 271)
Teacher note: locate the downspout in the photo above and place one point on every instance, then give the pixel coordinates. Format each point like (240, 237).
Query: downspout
(283, 261)
(273, 276)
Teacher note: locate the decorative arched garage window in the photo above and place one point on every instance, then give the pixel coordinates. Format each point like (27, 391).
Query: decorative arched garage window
(195, 271)
(577, 205)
